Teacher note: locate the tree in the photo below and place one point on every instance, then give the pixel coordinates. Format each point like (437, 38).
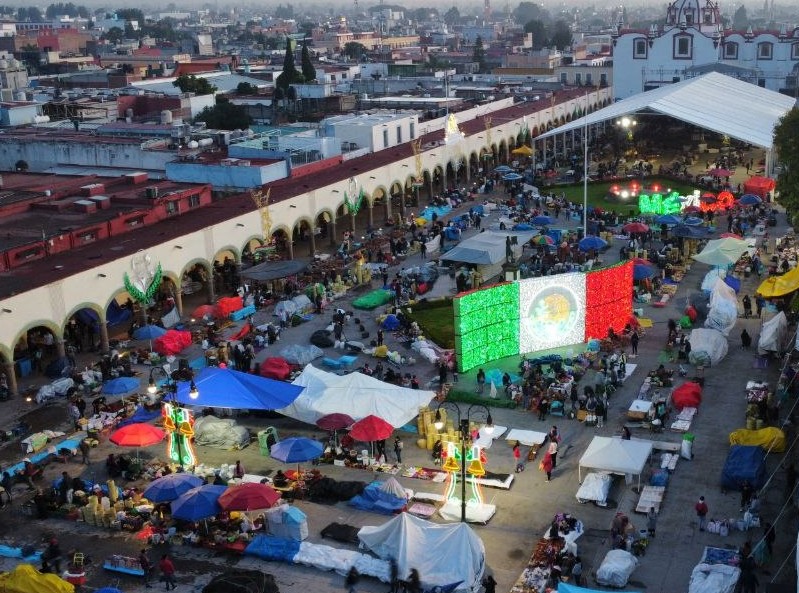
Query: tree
(225, 116)
(479, 55)
(284, 12)
(192, 84)
(31, 13)
(561, 36)
(245, 88)
(354, 50)
(786, 141)
(452, 16)
(290, 75)
(740, 20)
(308, 71)
(539, 31)
(529, 11)
(114, 35)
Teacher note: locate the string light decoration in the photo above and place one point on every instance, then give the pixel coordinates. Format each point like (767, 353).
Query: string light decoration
(486, 325)
(609, 300)
(657, 203)
(146, 293)
(475, 460)
(551, 311)
(179, 427)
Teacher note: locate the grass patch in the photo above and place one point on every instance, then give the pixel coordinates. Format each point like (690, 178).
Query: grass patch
(469, 397)
(437, 321)
(598, 192)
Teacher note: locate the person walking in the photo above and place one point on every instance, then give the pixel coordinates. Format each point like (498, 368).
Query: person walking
(481, 381)
(85, 450)
(701, 512)
(146, 566)
(747, 303)
(380, 336)
(517, 457)
(651, 521)
(634, 344)
(546, 466)
(167, 571)
(552, 449)
(398, 449)
(423, 249)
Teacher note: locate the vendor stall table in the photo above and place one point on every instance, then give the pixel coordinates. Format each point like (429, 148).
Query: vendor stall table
(124, 564)
(651, 496)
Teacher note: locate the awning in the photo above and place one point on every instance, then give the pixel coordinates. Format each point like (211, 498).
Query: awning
(777, 286)
(272, 270)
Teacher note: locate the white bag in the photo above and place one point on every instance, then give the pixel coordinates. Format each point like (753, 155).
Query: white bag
(724, 531)
(686, 449)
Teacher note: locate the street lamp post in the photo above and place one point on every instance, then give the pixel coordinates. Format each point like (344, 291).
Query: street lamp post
(463, 429)
(171, 389)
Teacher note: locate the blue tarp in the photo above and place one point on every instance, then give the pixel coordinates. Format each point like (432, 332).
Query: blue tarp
(226, 388)
(89, 317)
(268, 547)
(9, 552)
(378, 501)
(452, 233)
(568, 588)
(733, 283)
(440, 211)
(659, 478)
(140, 415)
(744, 463)
(390, 323)
(116, 314)
(522, 226)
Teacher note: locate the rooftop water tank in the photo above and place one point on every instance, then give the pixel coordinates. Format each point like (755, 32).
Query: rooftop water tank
(166, 116)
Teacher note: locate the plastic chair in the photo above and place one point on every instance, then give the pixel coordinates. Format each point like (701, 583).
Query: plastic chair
(77, 559)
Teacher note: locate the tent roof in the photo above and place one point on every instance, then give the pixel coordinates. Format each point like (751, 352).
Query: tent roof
(459, 557)
(354, 394)
(272, 270)
(226, 388)
(484, 248)
(777, 286)
(713, 101)
(616, 455)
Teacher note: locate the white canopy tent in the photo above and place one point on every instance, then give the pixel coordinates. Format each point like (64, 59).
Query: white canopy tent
(616, 456)
(487, 250)
(458, 554)
(356, 395)
(712, 101)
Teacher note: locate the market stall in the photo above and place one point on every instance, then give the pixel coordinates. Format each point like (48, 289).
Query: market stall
(616, 456)
(552, 555)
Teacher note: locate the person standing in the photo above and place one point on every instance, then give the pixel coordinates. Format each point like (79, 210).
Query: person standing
(701, 512)
(577, 571)
(552, 449)
(414, 583)
(398, 449)
(394, 582)
(85, 450)
(379, 336)
(146, 566)
(481, 380)
(651, 521)
(438, 449)
(490, 584)
(747, 303)
(167, 571)
(353, 576)
(746, 495)
(634, 344)
(517, 457)
(546, 466)
(423, 248)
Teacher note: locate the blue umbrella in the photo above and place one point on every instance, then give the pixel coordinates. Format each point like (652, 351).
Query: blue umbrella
(226, 388)
(522, 226)
(692, 221)
(542, 220)
(749, 200)
(108, 590)
(668, 219)
(198, 503)
(513, 177)
(148, 332)
(120, 385)
(689, 232)
(641, 272)
(591, 242)
(171, 487)
(296, 450)
(503, 169)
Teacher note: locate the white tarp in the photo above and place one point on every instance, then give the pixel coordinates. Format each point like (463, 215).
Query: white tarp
(487, 248)
(220, 433)
(354, 394)
(708, 344)
(433, 244)
(709, 281)
(713, 578)
(616, 568)
(722, 252)
(697, 101)
(723, 312)
(616, 456)
(459, 554)
(596, 488)
(773, 335)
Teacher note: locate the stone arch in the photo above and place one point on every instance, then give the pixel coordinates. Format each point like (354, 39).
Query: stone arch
(251, 245)
(197, 277)
(502, 155)
(561, 120)
(427, 178)
(568, 117)
(437, 185)
(474, 164)
(26, 344)
(227, 251)
(303, 233)
(82, 330)
(324, 224)
(280, 239)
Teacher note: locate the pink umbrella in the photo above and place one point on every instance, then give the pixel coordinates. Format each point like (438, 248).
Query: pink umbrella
(248, 497)
(334, 421)
(371, 428)
(719, 172)
(635, 227)
(691, 209)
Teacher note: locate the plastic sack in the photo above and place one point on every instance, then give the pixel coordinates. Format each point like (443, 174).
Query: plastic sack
(687, 449)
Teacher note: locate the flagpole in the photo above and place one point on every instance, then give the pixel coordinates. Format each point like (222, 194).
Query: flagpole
(585, 166)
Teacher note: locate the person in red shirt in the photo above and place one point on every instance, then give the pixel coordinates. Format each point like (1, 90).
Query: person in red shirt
(167, 571)
(701, 512)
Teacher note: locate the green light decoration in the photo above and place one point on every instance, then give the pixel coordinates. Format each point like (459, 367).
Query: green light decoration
(147, 295)
(658, 204)
(487, 325)
(475, 460)
(179, 426)
(354, 207)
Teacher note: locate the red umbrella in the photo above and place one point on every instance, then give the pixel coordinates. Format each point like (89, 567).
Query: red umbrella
(371, 428)
(640, 261)
(635, 227)
(731, 236)
(204, 311)
(137, 435)
(248, 497)
(719, 173)
(334, 421)
(691, 209)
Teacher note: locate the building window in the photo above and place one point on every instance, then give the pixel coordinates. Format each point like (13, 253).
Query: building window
(603, 80)
(765, 51)
(385, 138)
(761, 82)
(578, 79)
(689, 17)
(194, 201)
(589, 79)
(171, 207)
(795, 51)
(640, 48)
(88, 236)
(683, 47)
(564, 78)
(399, 134)
(730, 50)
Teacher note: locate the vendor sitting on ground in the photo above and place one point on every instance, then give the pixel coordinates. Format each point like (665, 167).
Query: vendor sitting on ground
(280, 480)
(664, 374)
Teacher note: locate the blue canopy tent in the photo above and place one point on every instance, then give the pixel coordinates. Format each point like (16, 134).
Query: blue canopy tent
(689, 232)
(148, 332)
(89, 317)
(120, 385)
(503, 169)
(513, 177)
(692, 220)
(116, 314)
(226, 388)
(733, 283)
(668, 219)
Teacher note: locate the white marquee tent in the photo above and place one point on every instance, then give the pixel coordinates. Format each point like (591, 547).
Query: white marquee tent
(616, 456)
(713, 101)
(356, 395)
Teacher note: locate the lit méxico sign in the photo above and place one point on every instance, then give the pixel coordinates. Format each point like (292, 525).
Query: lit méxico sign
(659, 204)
